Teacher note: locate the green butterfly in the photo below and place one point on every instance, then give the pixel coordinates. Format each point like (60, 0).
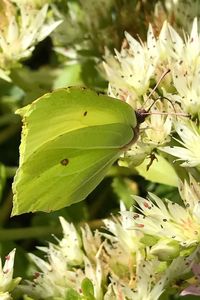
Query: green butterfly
(70, 138)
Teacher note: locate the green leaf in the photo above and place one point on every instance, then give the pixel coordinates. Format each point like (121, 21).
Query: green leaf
(87, 289)
(25, 297)
(72, 295)
(160, 171)
(2, 179)
(70, 138)
(125, 188)
(70, 75)
(91, 76)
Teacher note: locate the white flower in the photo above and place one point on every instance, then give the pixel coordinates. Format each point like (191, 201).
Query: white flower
(95, 274)
(21, 33)
(154, 132)
(128, 240)
(66, 268)
(55, 277)
(148, 283)
(33, 3)
(136, 154)
(7, 283)
(130, 71)
(189, 153)
(157, 127)
(91, 242)
(190, 193)
(182, 12)
(121, 246)
(166, 220)
(71, 244)
(169, 45)
(186, 72)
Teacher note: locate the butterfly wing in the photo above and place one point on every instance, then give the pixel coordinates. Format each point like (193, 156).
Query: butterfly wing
(69, 140)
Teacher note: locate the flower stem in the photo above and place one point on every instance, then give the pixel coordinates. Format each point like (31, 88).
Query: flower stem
(6, 208)
(9, 132)
(28, 233)
(38, 231)
(10, 171)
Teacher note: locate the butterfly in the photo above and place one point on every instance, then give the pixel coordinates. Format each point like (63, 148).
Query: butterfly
(70, 138)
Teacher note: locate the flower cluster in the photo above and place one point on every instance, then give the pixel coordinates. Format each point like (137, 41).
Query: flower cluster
(7, 283)
(21, 28)
(132, 74)
(180, 13)
(170, 223)
(88, 26)
(118, 263)
(138, 255)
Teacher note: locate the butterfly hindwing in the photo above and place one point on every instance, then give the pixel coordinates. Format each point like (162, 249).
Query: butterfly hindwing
(68, 144)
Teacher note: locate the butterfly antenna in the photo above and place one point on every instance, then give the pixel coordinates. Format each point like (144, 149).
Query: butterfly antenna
(163, 97)
(142, 113)
(154, 89)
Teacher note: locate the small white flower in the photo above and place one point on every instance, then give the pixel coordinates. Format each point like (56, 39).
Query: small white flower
(71, 244)
(91, 242)
(182, 12)
(33, 3)
(136, 154)
(166, 220)
(157, 126)
(190, 193)
(121, 246)
(154, 132)
(169, 44)
(186, 72)
(95, 274)
(128, 240)
(21, 33)
(7, 283)
(189, 153)
(66, 267)
(130, 71)
(148, 282)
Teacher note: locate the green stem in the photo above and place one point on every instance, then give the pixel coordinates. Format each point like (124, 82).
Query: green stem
(19, 79)
(39, 231)
(9, 132)
(10, 171)
(28, 233)
(120, 171)
(6, 208)
(9, 119)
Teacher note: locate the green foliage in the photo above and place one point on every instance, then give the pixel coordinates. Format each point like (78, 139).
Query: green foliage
(2, 179)
(124, 188)
(72, 295)
(87, 289)
(161, 171)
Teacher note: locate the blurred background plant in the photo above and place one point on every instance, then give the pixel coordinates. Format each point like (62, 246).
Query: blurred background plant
(48, 44)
